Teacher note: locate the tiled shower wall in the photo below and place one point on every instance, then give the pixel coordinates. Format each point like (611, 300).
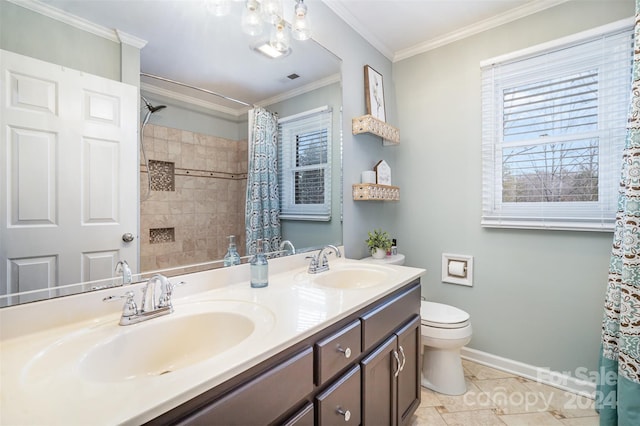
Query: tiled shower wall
(197, 201)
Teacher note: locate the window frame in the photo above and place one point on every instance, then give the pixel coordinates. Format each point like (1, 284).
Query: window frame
(592, 216)
(289, 127)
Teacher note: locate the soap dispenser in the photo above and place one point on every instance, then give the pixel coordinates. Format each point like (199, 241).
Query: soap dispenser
(259, 267)
(232, 257)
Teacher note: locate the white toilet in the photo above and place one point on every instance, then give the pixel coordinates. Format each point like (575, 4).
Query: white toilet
(445, 330)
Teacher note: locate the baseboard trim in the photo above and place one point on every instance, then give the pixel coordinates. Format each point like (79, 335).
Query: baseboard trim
(542, 375)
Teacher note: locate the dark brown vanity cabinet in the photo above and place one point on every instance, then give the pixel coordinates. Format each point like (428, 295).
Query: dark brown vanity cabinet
(362, 370)
(390, 378)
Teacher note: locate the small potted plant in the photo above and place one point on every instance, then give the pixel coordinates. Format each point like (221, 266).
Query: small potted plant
(379, 243)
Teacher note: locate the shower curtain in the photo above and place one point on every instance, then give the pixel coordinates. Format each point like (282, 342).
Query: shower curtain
(262, 217)
(618, 387)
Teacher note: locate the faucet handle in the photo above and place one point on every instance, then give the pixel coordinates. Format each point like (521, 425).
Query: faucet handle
(167, 292)
(129, 308)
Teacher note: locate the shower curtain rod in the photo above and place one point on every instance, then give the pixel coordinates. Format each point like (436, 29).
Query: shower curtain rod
(196, 88)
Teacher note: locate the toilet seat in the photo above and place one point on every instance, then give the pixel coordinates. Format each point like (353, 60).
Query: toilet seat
(439, 315)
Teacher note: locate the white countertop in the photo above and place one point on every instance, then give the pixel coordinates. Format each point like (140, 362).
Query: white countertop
(42, 343)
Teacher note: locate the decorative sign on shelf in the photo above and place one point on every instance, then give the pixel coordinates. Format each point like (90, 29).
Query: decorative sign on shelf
(383, 173)
(374, 93)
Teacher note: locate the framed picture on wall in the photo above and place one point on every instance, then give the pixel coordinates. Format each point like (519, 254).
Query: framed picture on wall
(374, 93)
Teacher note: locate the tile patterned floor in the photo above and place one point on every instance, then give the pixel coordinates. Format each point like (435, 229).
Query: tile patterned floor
(497, 398)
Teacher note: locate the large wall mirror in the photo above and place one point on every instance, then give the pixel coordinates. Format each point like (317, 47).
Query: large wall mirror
(189, 170)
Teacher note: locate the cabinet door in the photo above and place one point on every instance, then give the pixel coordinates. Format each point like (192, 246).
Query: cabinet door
(378, 384)
(409, 341)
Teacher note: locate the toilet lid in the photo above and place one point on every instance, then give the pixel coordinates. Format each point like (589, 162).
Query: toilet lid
(442, 316)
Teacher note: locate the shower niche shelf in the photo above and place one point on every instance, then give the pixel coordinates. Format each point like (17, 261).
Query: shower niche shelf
(375, 192)
(369, 124)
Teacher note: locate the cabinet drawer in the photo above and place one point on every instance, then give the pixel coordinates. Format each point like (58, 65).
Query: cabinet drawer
(304, 417)
(380, 322)
(263, 399)
(340, 403)
(336, 351)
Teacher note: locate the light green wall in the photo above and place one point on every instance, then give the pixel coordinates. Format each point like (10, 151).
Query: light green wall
(537, 296)
(32, 34)
(360, 152)
(309, 233)
(185, 116)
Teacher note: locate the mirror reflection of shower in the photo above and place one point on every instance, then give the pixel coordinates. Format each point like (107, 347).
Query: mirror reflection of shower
(150, 110)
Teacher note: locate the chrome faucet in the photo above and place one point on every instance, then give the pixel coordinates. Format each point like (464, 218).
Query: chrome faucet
(123, 267)
(290, 244)
(148, 306)
(319, 262)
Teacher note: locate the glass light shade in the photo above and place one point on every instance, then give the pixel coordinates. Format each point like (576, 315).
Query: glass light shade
(218, 7)
(300, 25)
(251, 21)
(272, 11)
(279, 39)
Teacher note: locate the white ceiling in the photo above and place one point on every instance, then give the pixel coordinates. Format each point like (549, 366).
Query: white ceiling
(185, 43)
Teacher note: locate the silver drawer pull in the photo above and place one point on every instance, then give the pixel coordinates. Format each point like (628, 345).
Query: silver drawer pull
(395, 355)
(404, 358)
(345, 413)
(346, 352)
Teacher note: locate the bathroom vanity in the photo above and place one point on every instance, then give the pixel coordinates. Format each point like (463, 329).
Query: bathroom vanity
(339, 346)
(362, 369)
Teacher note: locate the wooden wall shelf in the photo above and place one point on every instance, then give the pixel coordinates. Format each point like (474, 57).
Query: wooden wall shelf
(372, 191)
(369, 124)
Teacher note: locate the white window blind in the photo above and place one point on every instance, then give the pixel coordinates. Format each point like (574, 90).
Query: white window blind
(553, 130)
(305, 158)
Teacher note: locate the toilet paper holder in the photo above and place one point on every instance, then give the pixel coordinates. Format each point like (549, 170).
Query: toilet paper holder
(457, 269)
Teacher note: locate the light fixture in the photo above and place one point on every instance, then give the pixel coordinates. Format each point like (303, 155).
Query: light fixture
(272, 11)
(218, 7)
(300, 26)
(257, 11)
(251, 20)
(268, 51)
(279, 38)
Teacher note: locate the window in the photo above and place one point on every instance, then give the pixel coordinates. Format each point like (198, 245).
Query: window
(553, 129)
(305, 158)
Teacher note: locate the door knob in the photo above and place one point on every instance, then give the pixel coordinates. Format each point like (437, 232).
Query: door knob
(127, 237)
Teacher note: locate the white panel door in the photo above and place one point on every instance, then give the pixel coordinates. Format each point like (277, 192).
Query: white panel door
(68, 157)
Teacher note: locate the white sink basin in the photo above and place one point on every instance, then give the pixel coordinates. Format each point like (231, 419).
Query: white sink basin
(193, 333)
(353, 276)
(163, 347)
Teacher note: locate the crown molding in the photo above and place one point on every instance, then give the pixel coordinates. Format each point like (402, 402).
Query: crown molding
(212, 106)
(487, 24)
(131, 40)
(170, 94)
(80, 23)
(335, 78)
(348, 17)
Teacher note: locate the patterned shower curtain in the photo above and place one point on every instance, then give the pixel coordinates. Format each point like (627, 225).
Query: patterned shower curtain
(262, 217)
(618, 387)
